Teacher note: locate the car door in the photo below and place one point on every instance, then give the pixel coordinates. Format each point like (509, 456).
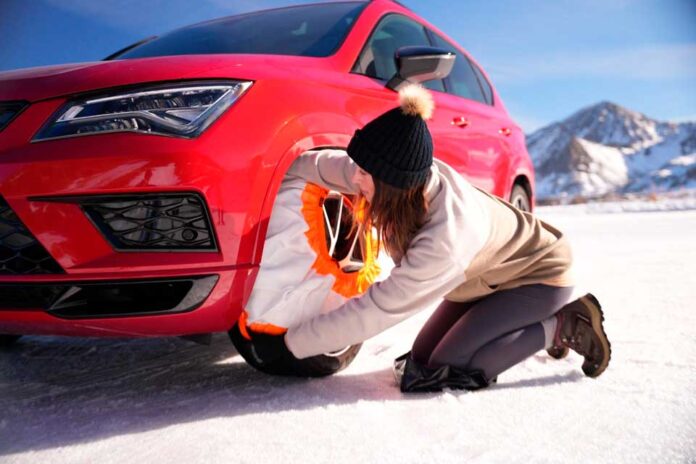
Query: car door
(481, 141)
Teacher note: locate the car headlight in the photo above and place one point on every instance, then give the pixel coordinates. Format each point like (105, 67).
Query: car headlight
(181, 110)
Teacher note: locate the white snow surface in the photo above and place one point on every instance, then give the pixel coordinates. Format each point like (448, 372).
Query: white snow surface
(171, 401)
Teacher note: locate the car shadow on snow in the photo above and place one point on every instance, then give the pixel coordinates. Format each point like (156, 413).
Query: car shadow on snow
(57, 391)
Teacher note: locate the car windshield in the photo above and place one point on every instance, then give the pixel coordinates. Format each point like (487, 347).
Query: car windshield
(308, 30)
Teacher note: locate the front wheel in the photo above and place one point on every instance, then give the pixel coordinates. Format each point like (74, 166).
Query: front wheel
(519, 198)
(315, 366)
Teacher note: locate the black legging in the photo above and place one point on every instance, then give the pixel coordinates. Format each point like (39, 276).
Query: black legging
(491, 334)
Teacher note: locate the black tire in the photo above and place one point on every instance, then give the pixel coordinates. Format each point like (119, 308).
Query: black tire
(316, 366)
(7, 341)
(519, 198)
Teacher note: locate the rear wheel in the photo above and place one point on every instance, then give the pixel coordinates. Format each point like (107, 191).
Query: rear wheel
(519, 198)
(7, 341)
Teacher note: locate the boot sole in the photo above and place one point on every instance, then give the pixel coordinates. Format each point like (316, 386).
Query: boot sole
(597, 319)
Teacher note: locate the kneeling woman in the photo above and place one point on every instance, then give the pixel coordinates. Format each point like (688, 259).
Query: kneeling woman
(503, 273)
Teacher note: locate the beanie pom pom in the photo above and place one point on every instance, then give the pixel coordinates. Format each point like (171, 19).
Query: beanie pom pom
(415, 100)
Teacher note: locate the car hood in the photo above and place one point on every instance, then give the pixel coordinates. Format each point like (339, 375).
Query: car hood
(41, 83)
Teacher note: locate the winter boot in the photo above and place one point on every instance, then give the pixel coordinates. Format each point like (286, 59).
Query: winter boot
(580, 329)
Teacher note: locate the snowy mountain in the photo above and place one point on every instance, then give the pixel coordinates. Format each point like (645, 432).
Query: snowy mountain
(606, 148)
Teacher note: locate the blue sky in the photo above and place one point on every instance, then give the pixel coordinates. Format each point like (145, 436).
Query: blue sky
(547, 58)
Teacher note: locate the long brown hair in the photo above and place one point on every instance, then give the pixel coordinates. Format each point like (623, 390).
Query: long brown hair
(397, 214)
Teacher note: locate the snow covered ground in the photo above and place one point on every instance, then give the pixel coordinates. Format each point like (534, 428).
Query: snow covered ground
(168, 400)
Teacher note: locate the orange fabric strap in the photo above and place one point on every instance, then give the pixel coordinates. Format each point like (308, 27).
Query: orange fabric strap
(258, 327)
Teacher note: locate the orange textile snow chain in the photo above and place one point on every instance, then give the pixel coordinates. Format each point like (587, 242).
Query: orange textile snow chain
(347, 284)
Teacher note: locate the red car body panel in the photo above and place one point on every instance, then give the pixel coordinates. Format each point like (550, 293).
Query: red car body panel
(295, 104)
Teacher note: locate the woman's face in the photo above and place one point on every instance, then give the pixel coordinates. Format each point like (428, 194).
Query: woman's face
(364, 182)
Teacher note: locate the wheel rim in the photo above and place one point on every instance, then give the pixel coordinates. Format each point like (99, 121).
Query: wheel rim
(520, 201)
(354, 262)
(349, 262)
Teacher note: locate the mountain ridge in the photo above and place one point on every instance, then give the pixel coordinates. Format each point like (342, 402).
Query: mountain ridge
(606, 148)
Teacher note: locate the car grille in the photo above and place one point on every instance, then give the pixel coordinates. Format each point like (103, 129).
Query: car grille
(9, 111)
(171, 222)
(20, 252)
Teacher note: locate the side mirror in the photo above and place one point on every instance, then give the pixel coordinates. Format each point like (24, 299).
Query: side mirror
(420, 64)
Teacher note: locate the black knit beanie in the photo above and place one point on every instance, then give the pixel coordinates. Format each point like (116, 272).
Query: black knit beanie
(396, 147)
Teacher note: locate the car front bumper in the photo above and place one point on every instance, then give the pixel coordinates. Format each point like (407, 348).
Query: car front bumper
(39, 181)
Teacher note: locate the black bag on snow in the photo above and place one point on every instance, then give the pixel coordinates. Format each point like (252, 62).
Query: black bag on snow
(415, 377)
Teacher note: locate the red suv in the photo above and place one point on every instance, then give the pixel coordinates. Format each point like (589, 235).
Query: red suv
(135, 192)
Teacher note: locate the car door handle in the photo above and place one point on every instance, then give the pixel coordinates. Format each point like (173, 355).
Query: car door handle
(506, 131)
(460, 121)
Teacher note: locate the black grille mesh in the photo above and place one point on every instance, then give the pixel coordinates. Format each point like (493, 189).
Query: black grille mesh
(20, 252)
(153, 222)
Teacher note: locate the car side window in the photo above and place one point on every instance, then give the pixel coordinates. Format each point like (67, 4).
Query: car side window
(462, 79)
(485, 85)
(377, 57)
